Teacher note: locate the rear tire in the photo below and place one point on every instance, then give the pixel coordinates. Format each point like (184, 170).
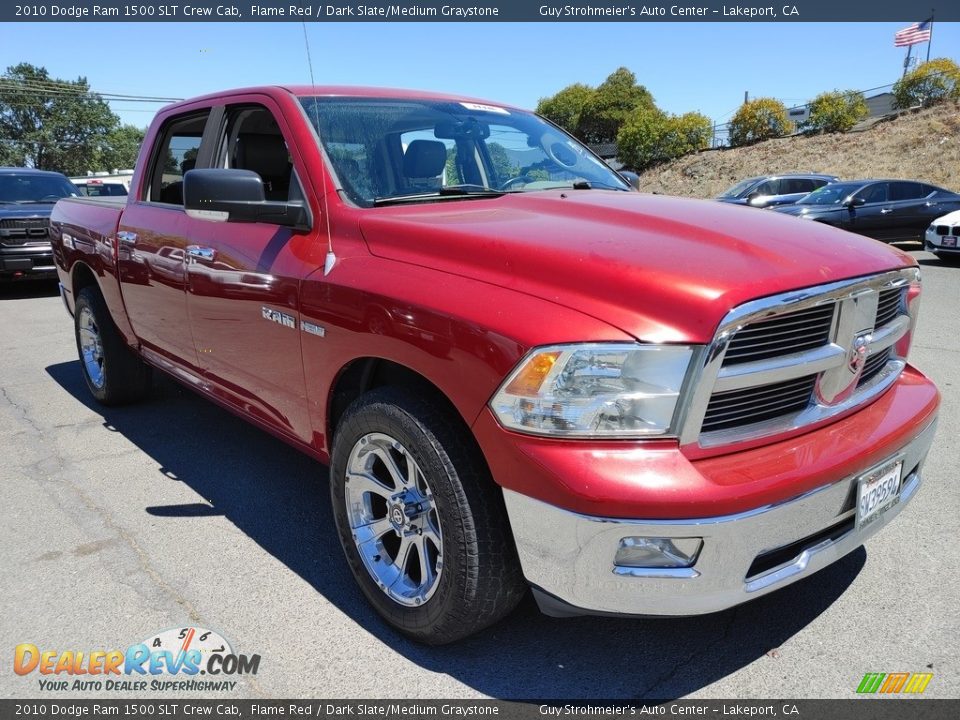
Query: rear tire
(422, 524)
(113, 373)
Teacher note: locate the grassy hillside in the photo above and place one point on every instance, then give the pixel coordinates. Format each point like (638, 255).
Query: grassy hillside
(923, 145)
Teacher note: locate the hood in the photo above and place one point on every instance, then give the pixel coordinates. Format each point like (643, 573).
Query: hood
(948, 219)
(660, 268)
(794, 209)
(13, 210)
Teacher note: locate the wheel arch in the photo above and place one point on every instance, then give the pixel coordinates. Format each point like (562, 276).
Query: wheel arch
(363, 374)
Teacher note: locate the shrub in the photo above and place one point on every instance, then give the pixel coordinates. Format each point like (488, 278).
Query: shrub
(928, 83)
(836, 111)
(757, 120)
(650, 136)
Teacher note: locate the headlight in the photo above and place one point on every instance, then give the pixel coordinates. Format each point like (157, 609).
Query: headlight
(595, 390)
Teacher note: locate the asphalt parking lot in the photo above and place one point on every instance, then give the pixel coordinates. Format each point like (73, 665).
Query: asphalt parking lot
(119, 523)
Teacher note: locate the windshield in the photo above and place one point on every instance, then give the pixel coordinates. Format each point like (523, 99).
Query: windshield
(830, 194)
(30, 188)
(739, 189)
(386, 150)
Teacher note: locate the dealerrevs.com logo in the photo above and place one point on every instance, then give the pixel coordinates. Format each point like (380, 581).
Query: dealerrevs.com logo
(181, 653)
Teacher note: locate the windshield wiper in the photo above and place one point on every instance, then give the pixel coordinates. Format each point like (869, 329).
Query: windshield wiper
(444, 193)
(590, 185)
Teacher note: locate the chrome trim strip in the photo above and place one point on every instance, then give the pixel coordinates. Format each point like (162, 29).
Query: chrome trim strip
(677, 573)
(713, 377)
(779, 369)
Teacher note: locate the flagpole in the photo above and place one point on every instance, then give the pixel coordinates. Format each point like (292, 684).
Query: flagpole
(906, 62)
(930, 39)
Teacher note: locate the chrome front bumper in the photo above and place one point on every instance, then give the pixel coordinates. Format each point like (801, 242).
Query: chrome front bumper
(569, 558)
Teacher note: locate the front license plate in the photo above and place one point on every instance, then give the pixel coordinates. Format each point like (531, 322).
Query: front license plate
(877, 492)
(949, 241)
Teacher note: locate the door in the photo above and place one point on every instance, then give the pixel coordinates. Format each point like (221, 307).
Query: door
(875, 216)
(244, 281)
(914, 210)
(151, 243)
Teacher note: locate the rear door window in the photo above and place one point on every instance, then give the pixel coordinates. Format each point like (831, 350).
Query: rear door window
(907, 191)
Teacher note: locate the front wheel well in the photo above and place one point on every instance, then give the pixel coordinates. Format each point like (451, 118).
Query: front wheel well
(81, 277)
(365, 374)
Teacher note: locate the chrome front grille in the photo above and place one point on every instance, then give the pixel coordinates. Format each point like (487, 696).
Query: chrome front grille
(791, 332)
(734, 408)
(781, 363)
(18, 231)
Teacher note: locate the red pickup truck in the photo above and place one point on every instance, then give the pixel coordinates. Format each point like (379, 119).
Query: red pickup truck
(522, 373)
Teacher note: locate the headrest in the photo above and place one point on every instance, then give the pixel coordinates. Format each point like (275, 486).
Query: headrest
(188, 164)
(424, 159)
(266, 155)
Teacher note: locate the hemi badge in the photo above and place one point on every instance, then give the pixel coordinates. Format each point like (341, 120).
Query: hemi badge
(312, 329)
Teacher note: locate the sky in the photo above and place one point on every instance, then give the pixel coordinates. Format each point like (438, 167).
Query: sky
(705, 67)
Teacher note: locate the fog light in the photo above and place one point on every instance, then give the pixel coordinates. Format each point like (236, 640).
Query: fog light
(658, 552)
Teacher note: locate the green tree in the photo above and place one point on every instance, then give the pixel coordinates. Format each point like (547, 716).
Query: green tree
(565, 107)
(503, 167)
(52, 124)
(759, 119)
(121, 147)
(927, 84)
(650, 136)
(836, 111)
(611, 104)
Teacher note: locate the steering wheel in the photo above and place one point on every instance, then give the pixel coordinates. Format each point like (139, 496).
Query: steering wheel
(560, 153)
(525, 178)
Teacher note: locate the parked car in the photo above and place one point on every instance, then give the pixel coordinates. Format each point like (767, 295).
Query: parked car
(26, 198)
(522, 373)
(771, 190)
(888, 210)
(943, 237)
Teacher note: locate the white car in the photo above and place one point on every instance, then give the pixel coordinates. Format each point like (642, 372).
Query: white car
(943, 237)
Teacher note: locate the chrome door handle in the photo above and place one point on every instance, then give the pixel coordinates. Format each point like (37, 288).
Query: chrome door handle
(886, 211)
(127, 238)
(201, 253)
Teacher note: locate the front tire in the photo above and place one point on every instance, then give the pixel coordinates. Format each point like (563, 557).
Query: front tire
(422, 525)
(114, 375)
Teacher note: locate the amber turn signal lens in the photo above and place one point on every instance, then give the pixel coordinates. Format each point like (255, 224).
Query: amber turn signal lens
(527, 382)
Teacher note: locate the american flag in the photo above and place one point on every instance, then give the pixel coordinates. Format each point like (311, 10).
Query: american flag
(913, 35)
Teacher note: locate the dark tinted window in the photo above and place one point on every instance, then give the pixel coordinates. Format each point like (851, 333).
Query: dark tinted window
(907, 191)
(770, 187)
(798, 185)
(875, 193)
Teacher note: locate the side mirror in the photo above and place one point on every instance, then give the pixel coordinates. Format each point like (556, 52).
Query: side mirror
(632, 178)
(855, 201)
(222, 194)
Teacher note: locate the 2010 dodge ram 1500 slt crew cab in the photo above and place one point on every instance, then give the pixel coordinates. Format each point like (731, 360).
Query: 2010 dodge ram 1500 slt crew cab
(521, 372)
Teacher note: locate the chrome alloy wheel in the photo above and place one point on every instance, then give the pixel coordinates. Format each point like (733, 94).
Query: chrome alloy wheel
(91, 347)
(393, 519)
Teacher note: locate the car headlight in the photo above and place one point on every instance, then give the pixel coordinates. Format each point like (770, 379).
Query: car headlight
(595, 390)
